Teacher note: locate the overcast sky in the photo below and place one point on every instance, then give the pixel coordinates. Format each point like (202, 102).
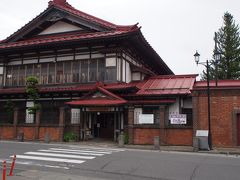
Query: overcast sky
(174, 28)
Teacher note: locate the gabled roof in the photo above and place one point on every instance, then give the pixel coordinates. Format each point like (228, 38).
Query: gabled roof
(96, 30)
(60, 9)
(103, 98)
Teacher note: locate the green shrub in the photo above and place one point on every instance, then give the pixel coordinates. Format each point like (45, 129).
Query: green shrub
(125, 138)
(70, 136)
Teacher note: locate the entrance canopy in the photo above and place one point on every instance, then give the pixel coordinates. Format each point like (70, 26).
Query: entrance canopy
(99, 97)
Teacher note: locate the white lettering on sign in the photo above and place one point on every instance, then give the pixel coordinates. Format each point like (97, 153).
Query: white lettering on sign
(178, 118)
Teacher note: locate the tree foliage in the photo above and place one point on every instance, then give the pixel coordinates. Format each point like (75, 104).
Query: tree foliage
(33, 94)
(228, 44)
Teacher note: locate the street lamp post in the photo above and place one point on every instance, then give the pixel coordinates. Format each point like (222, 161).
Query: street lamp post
(207, 64)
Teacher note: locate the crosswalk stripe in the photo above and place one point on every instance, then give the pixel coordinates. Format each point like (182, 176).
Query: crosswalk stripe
(59, 155)
(66, 152)
(39, 158)
(71, 150)
(101, 149)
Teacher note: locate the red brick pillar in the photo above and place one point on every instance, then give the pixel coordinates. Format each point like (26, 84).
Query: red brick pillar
(162, 114)
(15, 122)
(37, 124)
(130, 124)
(61, 122)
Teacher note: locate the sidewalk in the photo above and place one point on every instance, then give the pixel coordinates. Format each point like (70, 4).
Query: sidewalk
(43, 175)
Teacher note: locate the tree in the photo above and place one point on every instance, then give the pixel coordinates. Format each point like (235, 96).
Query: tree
(33, 94)
(227, 42)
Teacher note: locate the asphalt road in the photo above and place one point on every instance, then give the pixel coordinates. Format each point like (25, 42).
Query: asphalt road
(116, 163)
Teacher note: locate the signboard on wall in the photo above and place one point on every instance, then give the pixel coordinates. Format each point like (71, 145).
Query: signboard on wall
(146, 118)
(178, 118)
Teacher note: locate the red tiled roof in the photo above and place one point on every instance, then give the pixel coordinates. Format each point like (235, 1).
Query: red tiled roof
(158, 85)
(167, 85)
(161, 101)
(61, 38)
(221, 84)
(67, 7)
(79, 88)
(113, 29)
(97, 102)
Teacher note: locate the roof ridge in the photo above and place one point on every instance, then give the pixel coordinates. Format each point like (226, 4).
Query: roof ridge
(87, 16)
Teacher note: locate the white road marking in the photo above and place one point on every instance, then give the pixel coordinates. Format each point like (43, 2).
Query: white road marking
(98, 149)
(50, 159)
(59, 155)
(100, 152)
(67, 152)
(42, 165)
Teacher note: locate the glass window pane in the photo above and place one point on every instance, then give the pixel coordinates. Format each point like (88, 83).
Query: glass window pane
(1, 80)
(9, 76)
(15, 76)
(51, 73)
(44, 73)
(29, 71)
(75, 71)
(22, 75)
(67, 72)
(84, 71)
(59, 78)
(111, 74)
(101, 69)
(92, 70)
(37, 70)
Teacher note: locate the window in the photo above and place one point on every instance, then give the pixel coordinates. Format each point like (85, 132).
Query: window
(101, 69)
(1, 76)
(147, 115)
(84, 71)
(59, 77)
(75, 71)
(44, 73)
(67, 72)
(186, 114)
(75, 116)
(154, 111)
(29, 71)
(15, 75)
(9, 76)
(51, 73)
(93, 70)
(29, 117)
(37, 70)
(21, 75)
(111, 69)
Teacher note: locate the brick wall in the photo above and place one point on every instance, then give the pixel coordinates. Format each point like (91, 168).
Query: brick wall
(145, 136)
(53, 133)
(29, 132)
(177, 137)
(7, 132)
(169, 137)
(223, 103)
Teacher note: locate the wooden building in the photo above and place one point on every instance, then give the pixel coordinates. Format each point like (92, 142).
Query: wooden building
(96, 79)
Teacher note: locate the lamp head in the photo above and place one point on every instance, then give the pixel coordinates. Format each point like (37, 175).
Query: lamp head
(197, 57)
(217, 56)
